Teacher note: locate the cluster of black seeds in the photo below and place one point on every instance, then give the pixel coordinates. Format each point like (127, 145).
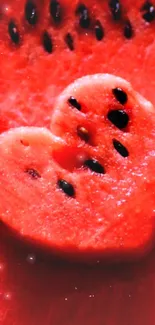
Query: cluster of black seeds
(119, 118)
(85, 21)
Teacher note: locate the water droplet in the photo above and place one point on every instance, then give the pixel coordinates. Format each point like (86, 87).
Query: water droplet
(75, 288)
(31, 258)
(7, 296)
(100, 220)
(91, 296)
(66, 299)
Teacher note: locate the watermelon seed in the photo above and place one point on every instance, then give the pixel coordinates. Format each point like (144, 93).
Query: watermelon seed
(73, 102)
(83, 133)
(24, 143)
(99, 31)
(120, 95)
(128, 30)
(31, 13)
(115, 8)
(33, 173)
(120, 148)
(95, 166)
(13, 32)
(146, 6)
(149, 15)
(55, 11)
(119, 118)
(84, 21)
(66, 187)
(69, 41)
(47, 42)
(80, 8)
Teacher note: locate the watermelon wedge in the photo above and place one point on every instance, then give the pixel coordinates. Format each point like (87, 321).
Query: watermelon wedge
(45, 45)
(83, 191)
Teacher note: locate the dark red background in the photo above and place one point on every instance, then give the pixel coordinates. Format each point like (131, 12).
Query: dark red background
(57, 293)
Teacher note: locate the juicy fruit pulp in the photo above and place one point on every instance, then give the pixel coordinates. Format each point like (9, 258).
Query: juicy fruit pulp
(84, 195)
(45, 45)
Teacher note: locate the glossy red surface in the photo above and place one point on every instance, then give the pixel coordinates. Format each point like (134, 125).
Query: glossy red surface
(36, 290)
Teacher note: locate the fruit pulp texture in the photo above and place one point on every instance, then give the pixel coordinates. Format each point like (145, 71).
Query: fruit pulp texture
(27, 100)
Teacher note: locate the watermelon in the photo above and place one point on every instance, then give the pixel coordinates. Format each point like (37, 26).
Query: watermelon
(45, 45)
(82, 190)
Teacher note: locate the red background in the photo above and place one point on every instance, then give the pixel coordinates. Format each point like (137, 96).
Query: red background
(57, 293)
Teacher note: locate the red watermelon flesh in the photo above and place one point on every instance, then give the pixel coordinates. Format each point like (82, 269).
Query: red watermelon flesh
(45, 45)
(86, 199)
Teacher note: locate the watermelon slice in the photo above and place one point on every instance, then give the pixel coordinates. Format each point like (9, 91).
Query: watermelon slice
(45, 45)
(84, 193)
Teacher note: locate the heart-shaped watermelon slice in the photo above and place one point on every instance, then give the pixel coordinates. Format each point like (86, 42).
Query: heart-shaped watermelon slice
(89, 192)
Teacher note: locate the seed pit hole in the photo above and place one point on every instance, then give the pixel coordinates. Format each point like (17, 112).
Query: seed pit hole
(86, 135)
(24, 142)
(83, 133)
(33, 173)
(69, 158)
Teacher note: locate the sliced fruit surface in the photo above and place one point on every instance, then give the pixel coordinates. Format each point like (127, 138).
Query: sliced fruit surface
(83, 190)
(45, 45)
(103, 116)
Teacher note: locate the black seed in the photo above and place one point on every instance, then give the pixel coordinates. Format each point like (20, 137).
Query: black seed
(83, 133)
(47, 42)
(120, 95)
(72, 101)
(128, 30)
(146, 6)
(149, 9)
(80, 8)
(66, 187)
(13, 32)
(69, 41)
(83, 11)
(99, 31)
(120, 148)
(84, 20)
(95, 166)
(55, 11)
(33, 173)
(115, 8)
(31, 13)
(119, 118)
(150, 15)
